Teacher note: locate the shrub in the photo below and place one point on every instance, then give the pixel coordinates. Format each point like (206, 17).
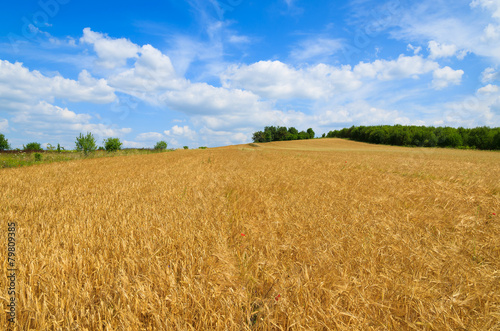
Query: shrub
(161, 145)
(185, 147)
(202, 147)
(4, 143)
(101, 148)
(32, 147)
(59, 148)
(86, 144)
(112, 144)
(38, 157)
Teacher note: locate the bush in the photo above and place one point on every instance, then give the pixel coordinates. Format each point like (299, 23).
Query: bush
(185, 147)
(38, 157)
(86, 144)
(32, 147)
(202, 147)
(112, 144)
(161, 145)
(4, 143)
(101, 148)
(59, 148)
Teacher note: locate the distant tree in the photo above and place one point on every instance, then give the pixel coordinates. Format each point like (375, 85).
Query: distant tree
(4, 143)
(33, 147)
(112, 144)
(303, 135)
(259, 137)
(85, 144)
(270, 133)
(310, 132)
(281, 133)
(323, 135)
(495, 143)
(161, 145)
(186, 147)
(50, 147)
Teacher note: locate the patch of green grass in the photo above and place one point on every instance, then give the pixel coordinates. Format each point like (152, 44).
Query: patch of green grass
(22, 159)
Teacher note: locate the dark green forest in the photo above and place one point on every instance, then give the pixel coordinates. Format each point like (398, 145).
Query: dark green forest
(280, 133)
(484, 138)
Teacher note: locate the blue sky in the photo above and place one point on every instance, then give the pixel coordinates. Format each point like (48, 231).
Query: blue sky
(210, 73)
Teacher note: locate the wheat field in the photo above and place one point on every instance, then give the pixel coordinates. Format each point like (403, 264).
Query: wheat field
(323, 234)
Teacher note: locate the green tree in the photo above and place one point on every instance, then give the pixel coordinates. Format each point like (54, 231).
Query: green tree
(259, 137)
(281, 133)
(161, 145)
(85, 144)
(32, 147)
(310, 132)
(303, 135)
(112, 144)
(4, 143)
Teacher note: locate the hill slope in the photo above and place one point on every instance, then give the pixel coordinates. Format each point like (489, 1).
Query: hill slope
(310, 234)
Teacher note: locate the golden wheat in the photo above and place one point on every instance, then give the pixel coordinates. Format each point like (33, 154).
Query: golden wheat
(320, 234)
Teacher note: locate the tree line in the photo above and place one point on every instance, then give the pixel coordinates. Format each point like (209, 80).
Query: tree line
(484, 138)
(83, 143)
(281, 133)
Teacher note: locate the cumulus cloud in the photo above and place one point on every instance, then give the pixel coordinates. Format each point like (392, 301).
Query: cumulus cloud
(181, 131)
(276, 80)
(19, 84)
(403, 67)
(46, 117)
(111, 52)
(152, 71)
(438, 50)
(202, 98)
(443, 77)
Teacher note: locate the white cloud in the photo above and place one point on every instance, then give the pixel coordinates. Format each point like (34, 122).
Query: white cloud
(415, 50)
(276, 80)
(4, 124)
(134, 144)
(19, 84)
(111, 52)
(181, 131)
(466, 30)
(202, 98)
(438, 50)
(489, 75)
(149, 136)
(45, 117)
(152, 72)
(491, 5)
(236, 39)
(446, 76)
(316, 49)
(488, 89)
(482, 108)
(403, 67)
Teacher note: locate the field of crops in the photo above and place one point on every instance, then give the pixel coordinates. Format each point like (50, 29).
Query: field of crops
(318, 234)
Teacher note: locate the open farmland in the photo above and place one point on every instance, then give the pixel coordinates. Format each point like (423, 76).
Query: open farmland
(317, 234)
